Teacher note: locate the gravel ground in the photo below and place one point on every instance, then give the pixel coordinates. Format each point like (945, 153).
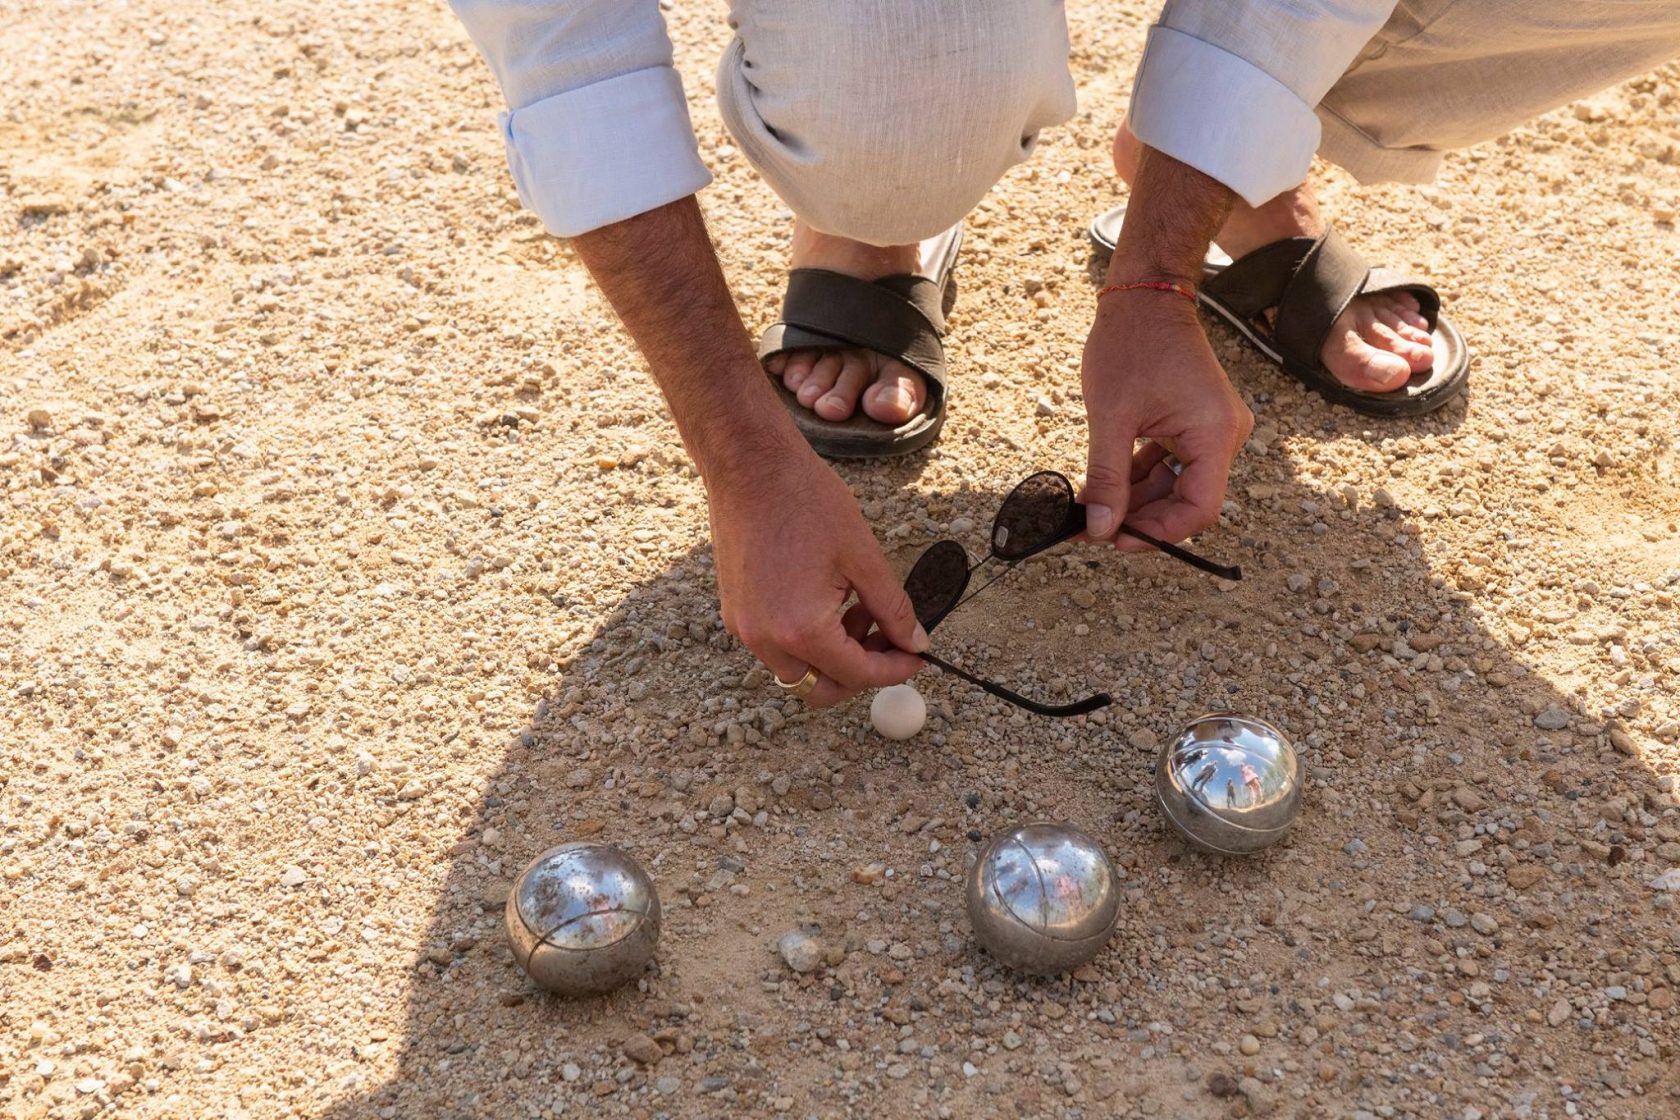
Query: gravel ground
(349, 561)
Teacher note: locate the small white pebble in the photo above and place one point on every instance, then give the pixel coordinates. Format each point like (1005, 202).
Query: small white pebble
(898, 712)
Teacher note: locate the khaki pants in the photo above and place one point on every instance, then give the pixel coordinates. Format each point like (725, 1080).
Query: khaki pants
(1445, 74)
(886, 121)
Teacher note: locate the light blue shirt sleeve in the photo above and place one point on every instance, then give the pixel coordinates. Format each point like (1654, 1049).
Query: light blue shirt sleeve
(1229, 86)
(597, 127)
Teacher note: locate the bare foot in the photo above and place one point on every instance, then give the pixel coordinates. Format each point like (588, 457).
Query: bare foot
(831, 382)
(1378, 343)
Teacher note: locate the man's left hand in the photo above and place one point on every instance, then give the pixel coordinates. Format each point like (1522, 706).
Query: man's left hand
(1149, 373)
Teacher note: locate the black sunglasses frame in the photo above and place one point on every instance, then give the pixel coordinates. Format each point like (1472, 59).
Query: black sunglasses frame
(1072, 524)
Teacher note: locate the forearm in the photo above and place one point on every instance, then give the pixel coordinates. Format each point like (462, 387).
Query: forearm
(1172, 216)
(661, 274)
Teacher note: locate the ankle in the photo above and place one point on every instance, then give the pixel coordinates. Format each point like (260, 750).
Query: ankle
(1127, 151)
(813, 249)
(1291, 214)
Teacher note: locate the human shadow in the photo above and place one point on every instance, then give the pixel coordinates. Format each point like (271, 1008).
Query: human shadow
(1468, 826)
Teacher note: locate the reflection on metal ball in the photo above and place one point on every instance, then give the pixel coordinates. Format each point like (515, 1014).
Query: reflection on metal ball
(583, 918)
(1229, 783)
(1043, 898)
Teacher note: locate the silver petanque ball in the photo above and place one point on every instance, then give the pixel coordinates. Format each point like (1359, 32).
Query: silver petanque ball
(1230, 784)
(583, 918)
(1043, 898)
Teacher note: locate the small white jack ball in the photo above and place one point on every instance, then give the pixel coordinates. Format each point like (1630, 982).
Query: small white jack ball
(898, 712)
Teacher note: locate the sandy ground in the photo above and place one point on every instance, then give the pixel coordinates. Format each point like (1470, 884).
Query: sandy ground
(348, 561)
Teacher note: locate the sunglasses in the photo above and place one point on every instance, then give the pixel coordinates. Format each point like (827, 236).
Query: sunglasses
(1037, 515)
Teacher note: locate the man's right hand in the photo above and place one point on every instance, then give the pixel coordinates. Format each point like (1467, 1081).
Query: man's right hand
(791, 546)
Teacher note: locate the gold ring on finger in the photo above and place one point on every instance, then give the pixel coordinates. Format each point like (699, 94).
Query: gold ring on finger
(801, 687)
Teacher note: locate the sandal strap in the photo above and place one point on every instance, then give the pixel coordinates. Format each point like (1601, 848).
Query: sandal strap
(898, 316)
(1310, 282)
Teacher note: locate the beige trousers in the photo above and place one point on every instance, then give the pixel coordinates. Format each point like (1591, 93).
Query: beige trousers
(886, 121)
(1446, 74)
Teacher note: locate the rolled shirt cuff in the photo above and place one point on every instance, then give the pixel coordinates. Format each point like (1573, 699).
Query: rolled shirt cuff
(1222, 115)
(604, 152)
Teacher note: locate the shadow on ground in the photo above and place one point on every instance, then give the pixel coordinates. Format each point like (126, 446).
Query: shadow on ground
(1448, 780)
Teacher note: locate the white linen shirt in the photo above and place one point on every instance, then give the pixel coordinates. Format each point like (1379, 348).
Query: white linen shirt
(597, 128)
(1230, 86)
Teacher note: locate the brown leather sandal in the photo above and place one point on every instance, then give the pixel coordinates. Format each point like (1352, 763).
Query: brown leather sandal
(901, 316)
(1284, 298)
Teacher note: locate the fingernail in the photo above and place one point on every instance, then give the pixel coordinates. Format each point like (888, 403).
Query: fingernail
(919, 640)
(1099, 521)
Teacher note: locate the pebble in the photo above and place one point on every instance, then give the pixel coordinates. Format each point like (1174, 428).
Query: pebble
(1552, 719)
(801, 950)
(1467, 799)
(1249, 1045)
(1223, 1085)
(641, 1048)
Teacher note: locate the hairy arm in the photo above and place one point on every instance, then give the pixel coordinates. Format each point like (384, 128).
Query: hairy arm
(789, 543)
(1173, 215)
(1150, 374)
(661, 274)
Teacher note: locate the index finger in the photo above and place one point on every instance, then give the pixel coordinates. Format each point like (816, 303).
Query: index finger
(841, 658)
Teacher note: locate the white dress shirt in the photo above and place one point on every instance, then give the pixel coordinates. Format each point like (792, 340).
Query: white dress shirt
(597, 127)
(1229, 86)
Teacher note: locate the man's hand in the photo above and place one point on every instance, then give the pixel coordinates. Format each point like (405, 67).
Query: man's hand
(1149, 373)
(791, 547)
(789, 542)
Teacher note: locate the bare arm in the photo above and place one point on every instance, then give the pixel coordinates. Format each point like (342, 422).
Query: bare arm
(789, 543)
(1173, 215)
(661, 275)
(1149, 372)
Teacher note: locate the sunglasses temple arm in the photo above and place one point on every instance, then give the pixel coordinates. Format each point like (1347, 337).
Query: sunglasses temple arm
(1089, 704)
(1076, 525)
(1223, 571)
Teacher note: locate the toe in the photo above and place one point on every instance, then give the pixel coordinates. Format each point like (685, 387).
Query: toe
(1401, 307)
(820, 380)
(797, 369)
(897, 394)
(1359, 365)
(1388, 333)
(841, 401)
(1383, 336)
(1412, 332)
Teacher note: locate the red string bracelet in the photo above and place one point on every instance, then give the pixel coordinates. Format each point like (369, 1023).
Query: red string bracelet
(1151, 285)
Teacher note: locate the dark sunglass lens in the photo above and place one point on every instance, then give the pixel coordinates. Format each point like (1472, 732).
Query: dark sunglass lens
(1032, 515)
(937, 581)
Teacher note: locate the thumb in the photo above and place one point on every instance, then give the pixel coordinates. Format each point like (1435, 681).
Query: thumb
(884, 598)
(1108, 480)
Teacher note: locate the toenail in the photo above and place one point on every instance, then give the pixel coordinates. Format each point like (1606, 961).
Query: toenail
(897, 397)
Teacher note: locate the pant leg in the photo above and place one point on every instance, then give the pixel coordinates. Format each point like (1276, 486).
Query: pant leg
(886, 121)
(1447, 74)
